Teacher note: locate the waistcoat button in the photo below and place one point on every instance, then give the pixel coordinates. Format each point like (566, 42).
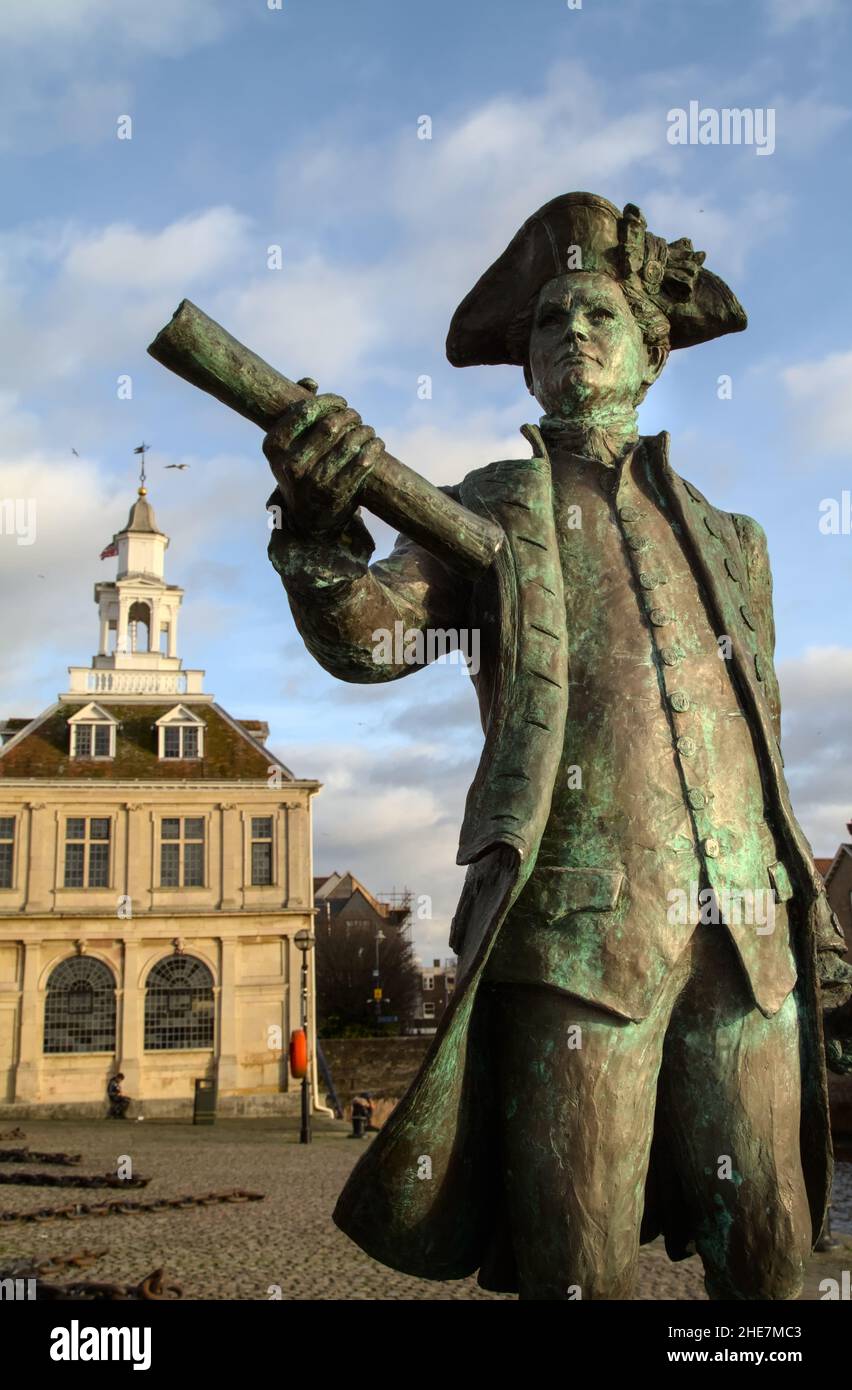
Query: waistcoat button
(711, 847)
(685, 746)
(679, 700)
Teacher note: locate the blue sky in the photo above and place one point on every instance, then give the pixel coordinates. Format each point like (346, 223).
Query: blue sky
(298, 127)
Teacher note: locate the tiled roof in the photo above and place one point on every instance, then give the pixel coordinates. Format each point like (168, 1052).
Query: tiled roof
(823, 865)
(229, 753)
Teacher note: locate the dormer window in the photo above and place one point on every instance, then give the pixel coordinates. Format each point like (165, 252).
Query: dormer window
(92, 733)
(180, 734)
(92, 741)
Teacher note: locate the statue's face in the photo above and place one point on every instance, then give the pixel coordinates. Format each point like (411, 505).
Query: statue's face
(586, 350)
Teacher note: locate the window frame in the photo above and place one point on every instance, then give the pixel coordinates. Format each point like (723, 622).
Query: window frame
(12, 842)
(180, 721)
(94, 726)
(103, 1011)
(267, 841)
(86, 842)
(181, 842)
(159, 1012)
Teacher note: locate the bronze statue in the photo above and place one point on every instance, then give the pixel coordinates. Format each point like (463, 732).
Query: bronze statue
(635, 1045)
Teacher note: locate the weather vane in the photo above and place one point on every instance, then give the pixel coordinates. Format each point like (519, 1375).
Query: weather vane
(142, 449)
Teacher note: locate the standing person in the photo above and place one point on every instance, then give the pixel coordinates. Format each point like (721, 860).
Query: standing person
(627, 1051)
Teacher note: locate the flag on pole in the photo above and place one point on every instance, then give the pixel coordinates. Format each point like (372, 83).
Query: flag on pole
(111, 549)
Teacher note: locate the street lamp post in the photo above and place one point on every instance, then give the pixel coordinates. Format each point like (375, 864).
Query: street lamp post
(304, 941)
(377, 994)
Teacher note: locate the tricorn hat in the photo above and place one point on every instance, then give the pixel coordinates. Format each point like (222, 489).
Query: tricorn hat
(581, 231)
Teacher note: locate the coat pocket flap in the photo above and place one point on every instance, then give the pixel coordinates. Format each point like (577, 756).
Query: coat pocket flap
(555, 892)
(780, 882)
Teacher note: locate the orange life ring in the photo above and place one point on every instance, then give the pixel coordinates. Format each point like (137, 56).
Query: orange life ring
(298, 1053)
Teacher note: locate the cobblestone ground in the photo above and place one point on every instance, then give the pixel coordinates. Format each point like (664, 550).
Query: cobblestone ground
(238, 1252)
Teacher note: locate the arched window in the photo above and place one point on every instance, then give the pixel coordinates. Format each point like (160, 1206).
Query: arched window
(79, 1012)
(139, 626)
(178, 1005)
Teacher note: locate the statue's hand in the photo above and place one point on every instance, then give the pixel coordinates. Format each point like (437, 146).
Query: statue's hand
(838, 1055)
(321, 453)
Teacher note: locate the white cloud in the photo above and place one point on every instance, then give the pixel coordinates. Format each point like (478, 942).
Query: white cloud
(311, 318)
(445, 454)
(57, 31)
(401, 835)
(120, 257)
(785, 15)
(50, 620)
(816, 696)
(805, 124)
(820, 397)
(74, 299)
(729, 235)
(68, 67)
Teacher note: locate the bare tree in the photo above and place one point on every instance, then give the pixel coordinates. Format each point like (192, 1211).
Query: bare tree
(346, 959)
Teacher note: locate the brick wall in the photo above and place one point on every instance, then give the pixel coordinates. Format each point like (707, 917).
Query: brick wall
(384, 1066)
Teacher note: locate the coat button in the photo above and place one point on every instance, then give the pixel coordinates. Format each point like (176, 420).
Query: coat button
(732, 570)
(670, 656)
(694, 494)
(748, 616)
(629, 513)
(712, 527)
(679, 700)
(758, 667)
(639, 543)
(711, 847)
(651, 580)
(686, 747)
(696, 798)
(660, 618)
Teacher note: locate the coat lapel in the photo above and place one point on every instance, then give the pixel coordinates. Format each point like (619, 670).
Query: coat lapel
(510, 798)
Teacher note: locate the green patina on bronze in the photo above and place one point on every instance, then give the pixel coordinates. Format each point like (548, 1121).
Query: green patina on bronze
(550, 1162)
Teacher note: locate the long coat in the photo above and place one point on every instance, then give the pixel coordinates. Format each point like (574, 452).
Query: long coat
(426, 1197)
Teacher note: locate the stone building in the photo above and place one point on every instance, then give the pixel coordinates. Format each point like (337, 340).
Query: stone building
(342, 899)
(155, 866)
(437, 983)
(837, 873)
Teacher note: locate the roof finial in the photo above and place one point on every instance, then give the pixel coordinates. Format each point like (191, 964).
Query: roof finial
(142, 449)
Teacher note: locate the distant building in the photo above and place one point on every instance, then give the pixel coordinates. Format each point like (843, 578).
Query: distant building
(837, 874)
(155, 866)
(437, 983)
(365, 964)
(342, 899)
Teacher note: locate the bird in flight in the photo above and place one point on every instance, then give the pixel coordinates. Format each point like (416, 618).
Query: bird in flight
(74, 452)
(177, 465)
